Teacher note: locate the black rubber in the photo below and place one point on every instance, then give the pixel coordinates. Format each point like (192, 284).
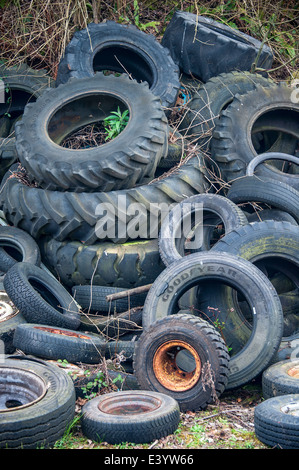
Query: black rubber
(269, 156)
(270, 214)
(263, 108)
(39, 424)
(117, 164)
(93, 298)
(16, 245)
(40, 297)
(23, 85)
(211, 99)
(207, 345)
(78, 216)
(56, 343)
(204, 48)
(276, 422)
(273, 247)
(126, 265)
(123, 49)
(152, 416)
(265, 191)
(212, 211)
(281, 379)
(219, 268)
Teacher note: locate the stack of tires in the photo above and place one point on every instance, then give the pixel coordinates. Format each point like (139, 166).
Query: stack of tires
(222, 304)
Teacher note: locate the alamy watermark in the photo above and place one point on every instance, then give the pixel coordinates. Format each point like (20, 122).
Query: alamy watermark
(140, 221)
(2, 91)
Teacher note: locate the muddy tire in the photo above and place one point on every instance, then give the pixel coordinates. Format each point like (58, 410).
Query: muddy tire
(264, 108)
(276, 422)
(196, 43)
(57, 343)
(211, 99)
(40, 423)
(256, 354)
(117, 164)
(153, 416)
(182, 356)
(211, 210)
(122, 49)
(76, 216)
(40, 297)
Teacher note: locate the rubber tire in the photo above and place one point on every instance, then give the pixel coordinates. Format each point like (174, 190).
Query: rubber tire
(84, 46)
(57, 343)
(270, 214)
(24, 79)
(197, 42)
(255, 242)
(41, 424)
(277, 381)
(209, 347)
(211, 99)
(93, 298)
(231, 146)
(127, 265)
(215, 210)
(273, 426)
(269, 156)
(137, 427)
(169, 286)
(118, 164)
(40, 297)
(74, 216)
(274, 193)
(25, 248)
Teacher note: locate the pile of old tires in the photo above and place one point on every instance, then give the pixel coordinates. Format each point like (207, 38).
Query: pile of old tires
(212, 307)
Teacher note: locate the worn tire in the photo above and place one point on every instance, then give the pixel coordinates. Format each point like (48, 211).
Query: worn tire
(16, 245)
(158, 366)
(40, 297)
(126, 265)
(153, 416)
(75, 216)
(25, 85)
(138, 54)
(57, 343)
(211, 99)
(232, 147)
(120, 163)
(93, 298)
(255, 356)
(281, 378)
(40, 424)
(276, 422)
(273, 247)
(269, 192)
(212, 210)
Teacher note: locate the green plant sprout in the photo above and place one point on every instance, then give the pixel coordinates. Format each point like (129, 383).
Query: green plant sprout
(116, 122)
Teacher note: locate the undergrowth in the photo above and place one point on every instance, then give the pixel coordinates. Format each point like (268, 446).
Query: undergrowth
(37, 32)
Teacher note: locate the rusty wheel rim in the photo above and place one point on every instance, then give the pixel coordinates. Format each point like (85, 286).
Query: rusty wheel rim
(294, 372)
(168, 371)
(58, 331)
(132, 404)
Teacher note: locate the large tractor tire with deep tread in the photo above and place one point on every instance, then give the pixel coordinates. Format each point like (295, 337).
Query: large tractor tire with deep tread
(81, 216)
(120, 163)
